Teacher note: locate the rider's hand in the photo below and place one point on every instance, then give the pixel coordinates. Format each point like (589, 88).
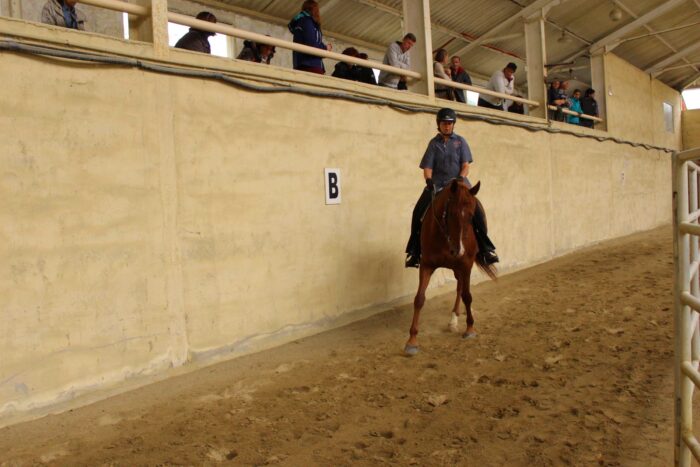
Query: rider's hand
(429, 185)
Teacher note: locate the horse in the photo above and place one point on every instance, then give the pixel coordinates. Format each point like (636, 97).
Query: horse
(448, 241)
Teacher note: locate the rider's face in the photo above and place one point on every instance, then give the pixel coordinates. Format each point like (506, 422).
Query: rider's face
(446, 128)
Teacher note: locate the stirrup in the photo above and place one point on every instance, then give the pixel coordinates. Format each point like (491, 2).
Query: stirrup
(412, 261)
(489, 256)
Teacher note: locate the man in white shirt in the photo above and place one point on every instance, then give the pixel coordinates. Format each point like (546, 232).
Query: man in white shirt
(397, 55)
(502, 81)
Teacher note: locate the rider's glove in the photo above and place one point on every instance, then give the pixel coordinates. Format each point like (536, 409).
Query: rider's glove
(429, 185)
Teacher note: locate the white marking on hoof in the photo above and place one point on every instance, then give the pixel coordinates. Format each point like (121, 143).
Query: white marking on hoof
(410, 350)
(453, 326)
(469, 335)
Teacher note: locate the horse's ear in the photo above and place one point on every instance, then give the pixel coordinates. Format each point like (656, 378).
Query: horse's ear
(475, 189)
(453, 186)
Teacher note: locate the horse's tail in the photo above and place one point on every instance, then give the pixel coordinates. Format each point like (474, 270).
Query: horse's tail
(489, 269)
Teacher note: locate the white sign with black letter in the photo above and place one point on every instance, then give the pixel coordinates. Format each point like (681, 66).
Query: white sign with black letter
(332, 186)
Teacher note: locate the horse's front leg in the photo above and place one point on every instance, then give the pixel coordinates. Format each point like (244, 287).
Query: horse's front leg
(467, 299)
(418, 302)
(454, 322)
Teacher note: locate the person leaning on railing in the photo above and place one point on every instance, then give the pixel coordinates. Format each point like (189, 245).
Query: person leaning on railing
(197, 40)
(364, 74)
(346, 70)
(502, 81)
(556, 97)
(439, 71)
(256, 52)
(590, 107)
(575, 106)
(397, 56)
(63, 13)
(306, 29)
(459, 75)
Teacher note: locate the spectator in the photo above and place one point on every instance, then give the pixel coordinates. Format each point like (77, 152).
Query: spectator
(256, 52)
(306, 29)
(575, 106)
(397, 56)
(459, 75)
(346, 70)
(554, 97)
(198, 40)
(63, 13)
(442, 91)
(590, 107)
(502, 81)
(364, 74)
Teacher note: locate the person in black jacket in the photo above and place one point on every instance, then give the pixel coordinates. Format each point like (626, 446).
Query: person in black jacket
(197, 40)
(256, 52)
(590, 107)
(346, 70)
(459, 75)
(364, 74)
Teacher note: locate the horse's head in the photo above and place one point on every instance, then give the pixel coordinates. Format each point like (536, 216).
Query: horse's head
(459, 210)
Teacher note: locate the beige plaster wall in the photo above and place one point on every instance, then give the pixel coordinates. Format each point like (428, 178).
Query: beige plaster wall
(691, 129)
(635, 105)
(150, 221)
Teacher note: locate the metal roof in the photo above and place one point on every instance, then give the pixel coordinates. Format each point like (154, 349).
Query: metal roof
(456, 22)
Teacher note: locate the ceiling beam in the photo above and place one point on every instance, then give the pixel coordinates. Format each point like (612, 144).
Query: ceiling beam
(504, 25)
(657, 68)
(380, 48)
(688, 82)
(611, 39)
(327, 6)
(646, 26)
(435, 25)
(677, 67)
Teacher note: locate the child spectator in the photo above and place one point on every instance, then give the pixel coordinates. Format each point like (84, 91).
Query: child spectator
(574, 106)
(255, 52)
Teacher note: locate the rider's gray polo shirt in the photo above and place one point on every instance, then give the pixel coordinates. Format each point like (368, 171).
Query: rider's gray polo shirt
(446, 158)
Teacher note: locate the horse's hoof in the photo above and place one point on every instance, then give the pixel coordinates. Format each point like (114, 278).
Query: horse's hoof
(410, 350)
(469, 335)
(452, 328)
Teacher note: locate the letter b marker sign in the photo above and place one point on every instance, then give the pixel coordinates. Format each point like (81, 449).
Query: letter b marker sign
(332, 186)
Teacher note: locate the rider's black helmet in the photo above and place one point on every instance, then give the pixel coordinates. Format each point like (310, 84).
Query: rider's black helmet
(446, 115)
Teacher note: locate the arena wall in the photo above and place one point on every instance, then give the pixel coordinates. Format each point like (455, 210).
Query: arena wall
(152, 221)
(691, 129)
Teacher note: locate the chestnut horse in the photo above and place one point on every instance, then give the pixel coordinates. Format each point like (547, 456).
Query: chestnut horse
(448, 241)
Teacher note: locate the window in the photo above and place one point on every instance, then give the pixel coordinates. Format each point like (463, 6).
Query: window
(692, 98)
(668, 117)
(219, 43)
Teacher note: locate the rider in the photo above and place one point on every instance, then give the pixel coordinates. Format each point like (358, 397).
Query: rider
(447, 157)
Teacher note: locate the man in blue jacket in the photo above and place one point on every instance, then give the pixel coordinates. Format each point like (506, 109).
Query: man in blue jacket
(306, 29)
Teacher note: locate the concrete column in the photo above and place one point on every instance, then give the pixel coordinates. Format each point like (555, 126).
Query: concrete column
(416, 19)
(15, 8)
(599, 82)
(536, 56)
(153, 28)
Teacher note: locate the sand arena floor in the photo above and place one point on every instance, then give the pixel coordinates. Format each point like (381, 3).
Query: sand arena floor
(572, 366)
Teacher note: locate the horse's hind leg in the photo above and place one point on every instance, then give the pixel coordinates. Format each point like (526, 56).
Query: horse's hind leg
(418, 302)
(467, 299)
(454, 322)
